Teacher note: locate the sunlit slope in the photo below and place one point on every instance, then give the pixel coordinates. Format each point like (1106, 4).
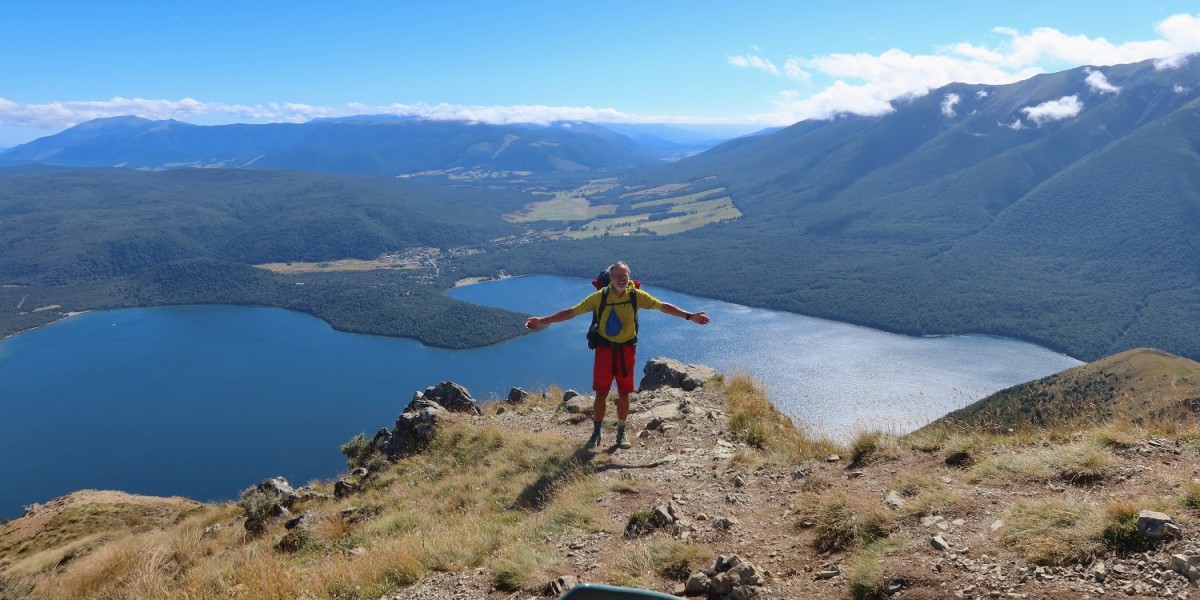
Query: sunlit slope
(1138, 385)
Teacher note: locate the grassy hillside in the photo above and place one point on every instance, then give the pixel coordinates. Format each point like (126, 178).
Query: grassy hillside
(499, 506)
(1139, 386)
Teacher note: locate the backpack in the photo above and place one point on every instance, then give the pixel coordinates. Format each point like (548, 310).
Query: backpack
(593, 334)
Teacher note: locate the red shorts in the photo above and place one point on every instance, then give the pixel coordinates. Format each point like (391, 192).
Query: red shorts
(602, 369)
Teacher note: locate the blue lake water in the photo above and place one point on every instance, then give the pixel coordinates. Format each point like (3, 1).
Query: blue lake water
(202, 401)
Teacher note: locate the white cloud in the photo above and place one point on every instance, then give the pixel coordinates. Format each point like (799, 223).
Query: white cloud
(1179, 89)
(1054, 110)
(1098, 82)
(750, 61)
(793, 68)
(1016, 125)
(948, 104)
(868, 82)
(981, 94)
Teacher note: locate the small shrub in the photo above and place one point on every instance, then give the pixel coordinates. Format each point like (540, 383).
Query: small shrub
(640, 523)
(258, 507)
(360, 452)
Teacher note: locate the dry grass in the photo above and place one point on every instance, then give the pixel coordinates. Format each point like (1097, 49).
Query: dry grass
(1052, 532)
(841, 522)
(865, 575)
(1077, 463)
(756, 421)
(1189, 495)
(923, 496)
(486, 497)
(657, 557)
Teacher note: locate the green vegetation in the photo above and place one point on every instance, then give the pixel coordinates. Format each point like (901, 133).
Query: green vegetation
(97, 239)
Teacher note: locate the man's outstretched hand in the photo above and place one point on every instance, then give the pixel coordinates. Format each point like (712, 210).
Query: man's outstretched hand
(533, 323)
(700, 318)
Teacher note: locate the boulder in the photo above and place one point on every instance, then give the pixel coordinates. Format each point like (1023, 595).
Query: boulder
(1188, 566)
(414, 428)
(279, 489)
(668, 372)
(517, 395)
(448, 395)
(576, 404)
(1156, 526)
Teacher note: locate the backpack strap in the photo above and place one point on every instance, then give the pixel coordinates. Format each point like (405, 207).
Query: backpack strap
(633, 300)
(600, 309)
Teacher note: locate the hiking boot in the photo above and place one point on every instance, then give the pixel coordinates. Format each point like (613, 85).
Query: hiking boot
(622, 439)
(593, 442)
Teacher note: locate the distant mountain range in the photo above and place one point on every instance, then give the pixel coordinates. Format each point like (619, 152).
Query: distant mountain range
(383, 145)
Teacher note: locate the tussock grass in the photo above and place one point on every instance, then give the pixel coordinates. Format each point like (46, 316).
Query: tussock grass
(1077, 463)
(963, 450)
(1118, 436)
(1052, 532)
(1118, 528)
(521, 569)
(868, 446)
(841, 522)
(758, 423)
(923, 496)
(656, 557)
(866, 573)
(1189, 495)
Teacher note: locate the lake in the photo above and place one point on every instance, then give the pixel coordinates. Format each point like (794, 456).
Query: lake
(203, 401)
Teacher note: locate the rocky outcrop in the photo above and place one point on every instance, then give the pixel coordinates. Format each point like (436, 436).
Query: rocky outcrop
(450, 396)
(668, 372)
(421, 419)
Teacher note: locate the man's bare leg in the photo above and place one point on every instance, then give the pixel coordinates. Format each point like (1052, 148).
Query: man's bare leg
(599, 407)
(622, 414)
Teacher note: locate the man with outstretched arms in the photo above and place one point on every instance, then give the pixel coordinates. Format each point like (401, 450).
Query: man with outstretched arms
(616, 344)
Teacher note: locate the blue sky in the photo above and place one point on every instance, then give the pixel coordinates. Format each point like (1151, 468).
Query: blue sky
(756, 63)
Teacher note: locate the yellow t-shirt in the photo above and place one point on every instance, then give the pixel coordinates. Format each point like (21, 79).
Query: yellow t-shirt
(623, 309)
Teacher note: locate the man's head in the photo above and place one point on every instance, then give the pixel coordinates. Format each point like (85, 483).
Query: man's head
(619, 275)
